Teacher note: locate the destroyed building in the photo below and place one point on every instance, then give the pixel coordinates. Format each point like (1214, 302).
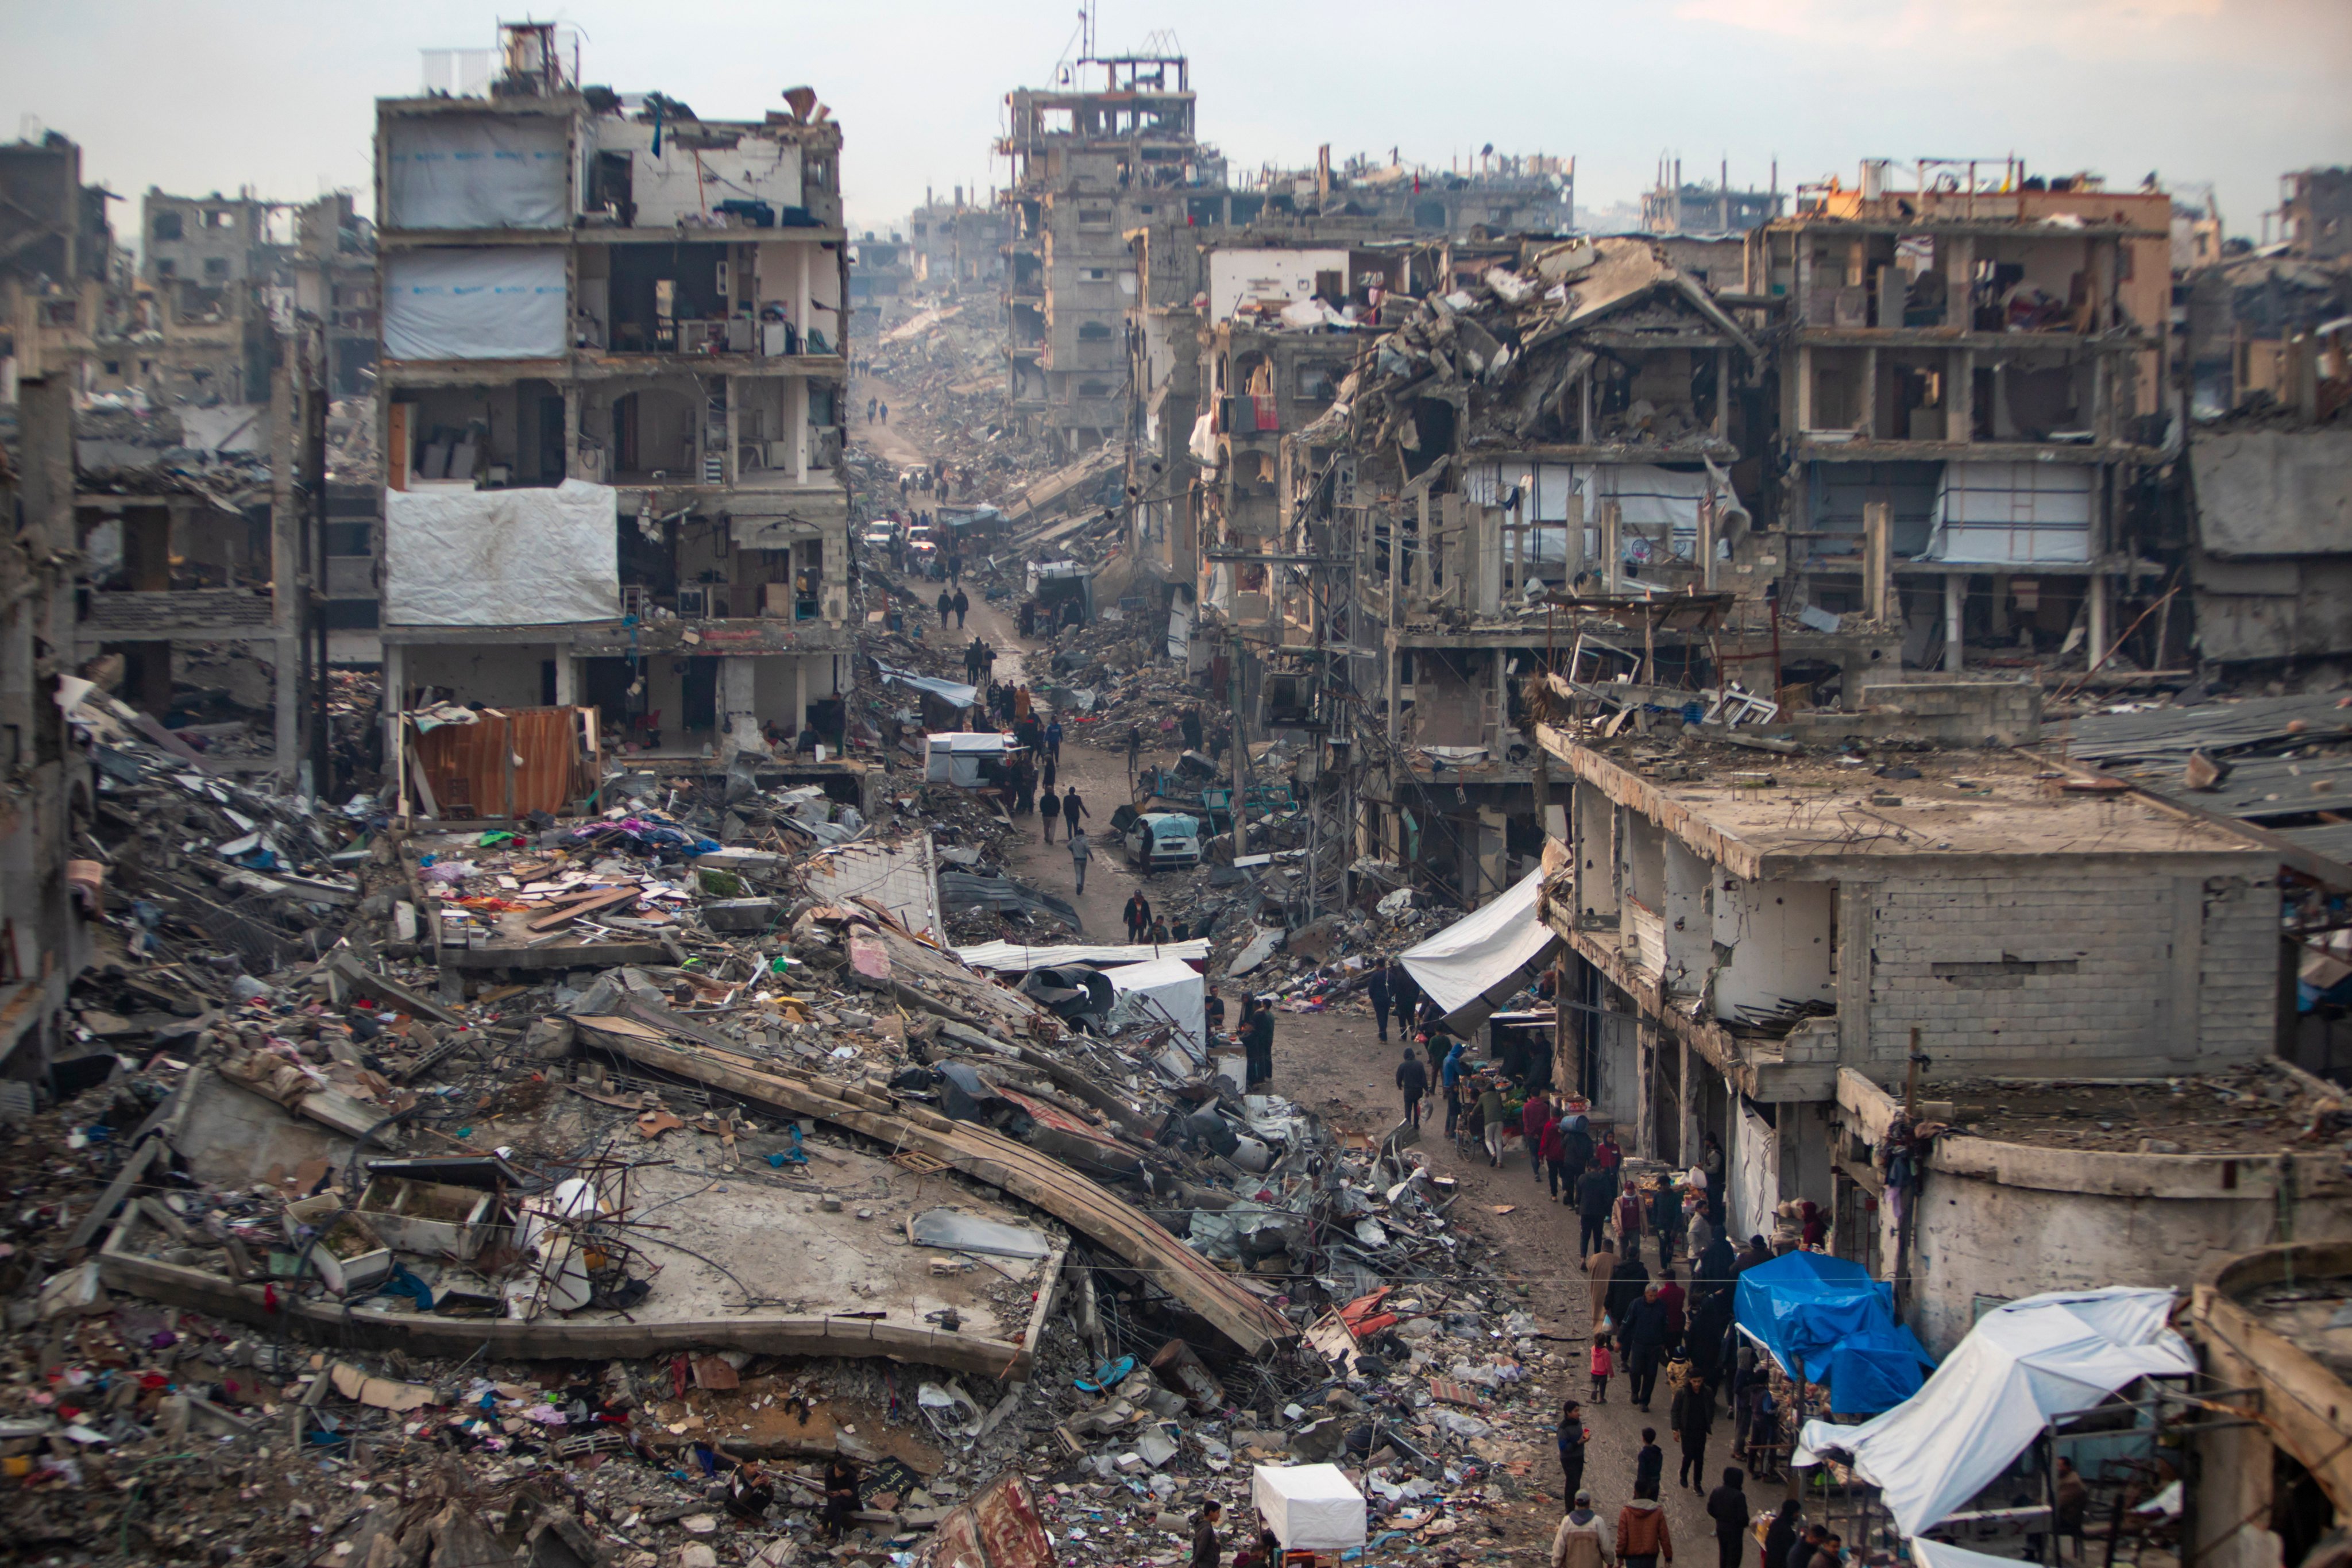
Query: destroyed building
(612, 416)
(1973, 365)
(57, 260)
(881, 282)
(1676, 205)
(959, 244)
(1111, 146)
(1908, 1003)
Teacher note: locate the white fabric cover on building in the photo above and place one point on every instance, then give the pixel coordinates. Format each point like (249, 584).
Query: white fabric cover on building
(1657, 509)
(2022, 1363)
(477, 171)
(1309, 1508)
(1475, 965)
(500, 558)
(478, 302)
(1019, 958)
(2004, 513)
(1172, 986)
(953, 757)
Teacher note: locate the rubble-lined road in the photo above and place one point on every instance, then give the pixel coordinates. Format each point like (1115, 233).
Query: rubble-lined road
(1334, 1064)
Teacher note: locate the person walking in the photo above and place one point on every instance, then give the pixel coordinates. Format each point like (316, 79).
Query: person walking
(1049, 808)
(1134, 751)
(1649, 1464)
(955, 568)
(947, 608)
(1581, 1542)
(1534, 1116)
(885, 414)
(1080, 850)
(1553, 1160)
(1575, 1156)
(1692, 1417)
(1052, 768)
(1190, 722)
(1644, 1325)
(1727, 1506)
(1665, 1219)
(1470, 1128)
(1592, 1215)
(1490, 1116)
(1412, 1079)
(1610, 1158)
(1054, 740)
(1781, 1535)
(1378, 989)
(1073, 808)
(1602, 1363)
(869, 411)
(1598, 1267)
(1643, 1536)
(1571, 1436)
(1139, 916)
(962, 603)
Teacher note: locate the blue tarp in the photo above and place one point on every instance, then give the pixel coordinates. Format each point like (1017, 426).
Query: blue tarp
(1827, 1320)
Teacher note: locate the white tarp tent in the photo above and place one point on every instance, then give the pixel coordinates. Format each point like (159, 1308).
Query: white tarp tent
(1309, 1508)
(474, 302)
(1473, 965)
(953, 757)
(1168, 986)
(949, 691)
(2002, 513)
(2023, 1364)
(477, 171)
(500, 558)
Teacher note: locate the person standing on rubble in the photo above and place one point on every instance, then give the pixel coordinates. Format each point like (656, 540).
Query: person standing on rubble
(963, 603)
(1139, 916)
(1080, 850)
(947, 607)
(1190, 722)
(1261, 1043)
(1053, 738)
(1378, 989)
(1412, 1079)
(1204, 1534)
(1049, 808)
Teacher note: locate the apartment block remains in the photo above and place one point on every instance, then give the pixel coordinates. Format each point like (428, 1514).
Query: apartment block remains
(613, 409)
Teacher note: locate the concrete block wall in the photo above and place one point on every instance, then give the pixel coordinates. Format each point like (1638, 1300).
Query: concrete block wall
(2093, 972)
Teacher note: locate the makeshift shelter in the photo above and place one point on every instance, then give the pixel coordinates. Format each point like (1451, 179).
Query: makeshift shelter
(1825, 1320)
(1482, 960)
(954, 758)
(1309, 1508)
(1167, 986)
(1015, 958)
(2021, 1364)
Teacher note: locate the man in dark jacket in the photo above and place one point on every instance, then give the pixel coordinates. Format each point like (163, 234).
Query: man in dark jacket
(963, 603)
(1571, 1449)
(1261, 1044)
(1377, 990)
(1645, 1333)
(1592, 1200)
(1649, 1464)
(1412, 1079)
(1626, 1284)
(1692, 1416)
(1204, 1535)
(947, 607)
(1727, 1506)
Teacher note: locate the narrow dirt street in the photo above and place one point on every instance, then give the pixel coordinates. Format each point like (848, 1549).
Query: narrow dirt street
(1334, 1064)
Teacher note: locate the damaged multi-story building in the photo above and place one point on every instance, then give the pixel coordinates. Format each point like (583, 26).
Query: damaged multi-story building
(1676, 205)
(59, 266)
(612, 372)
(959, 244)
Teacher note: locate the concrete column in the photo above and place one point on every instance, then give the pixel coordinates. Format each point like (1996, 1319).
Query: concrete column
(571, 434)
(738, 720)
(1961, 397)
(1613, 547)
(734, 384)
(1955, 600)
(567, 677)
(800, 696)
(1723, 395)
(395, 679)
(2096, 589)
(1878, 578)
(1804, 389)
(801, 295)
(796, 416)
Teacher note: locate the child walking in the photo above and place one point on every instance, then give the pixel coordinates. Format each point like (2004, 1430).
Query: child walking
(1602, 1367)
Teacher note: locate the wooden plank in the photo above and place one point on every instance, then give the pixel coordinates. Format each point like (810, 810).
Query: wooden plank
(1033, 1177)
(608, 898)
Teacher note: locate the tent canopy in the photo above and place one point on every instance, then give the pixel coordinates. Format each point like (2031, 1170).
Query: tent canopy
(1828, 1321)
(2021, 1364)
(1309, 1508)
(1171, 986)
(1478, 962)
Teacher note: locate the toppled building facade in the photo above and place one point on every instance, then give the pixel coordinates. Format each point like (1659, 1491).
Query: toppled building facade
(613, 409)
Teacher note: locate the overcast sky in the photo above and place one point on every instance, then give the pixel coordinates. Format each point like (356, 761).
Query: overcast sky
(195, 95)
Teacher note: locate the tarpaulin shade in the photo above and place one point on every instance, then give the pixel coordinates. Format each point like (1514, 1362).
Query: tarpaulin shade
(2002, 513)
(2023, 1364)
(954, 757)
(1827, 1320)
(477, 302)
(1475, 965)
(1309, 1508)
(1171, 987)
(500, 558)
(952, 692)
(476, 170)
(508, 763)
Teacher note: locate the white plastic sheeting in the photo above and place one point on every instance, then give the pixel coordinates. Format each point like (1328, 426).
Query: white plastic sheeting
(1309, 1508)
(476, 302)
(1473, 965)
(2003, 512)
(1944, 1554)
(2021, 1364)
(953, 757)
(1018, 958)
(477, 171)
(500, 558)
(1169, 985)
(1657, 509)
